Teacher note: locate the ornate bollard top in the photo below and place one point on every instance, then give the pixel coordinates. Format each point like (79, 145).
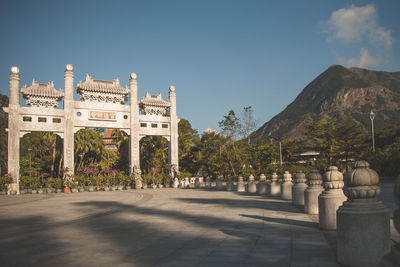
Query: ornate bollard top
(314, 178)
(251, 178)
(274, 177)
(240, 178)
(287, 177)
(300, 177)
(362, 182)
(262, 177)
(333, 178)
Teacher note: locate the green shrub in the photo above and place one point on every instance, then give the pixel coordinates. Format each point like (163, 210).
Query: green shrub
(81, 180)
(4, 182)
(55, 183)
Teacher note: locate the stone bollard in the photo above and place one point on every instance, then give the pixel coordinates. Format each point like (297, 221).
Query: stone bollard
(363, 223)
(298, 188)
(240, 185)
(197, 183)
(331, 198)
(187, 183)
(312, 192)
(286, 186)
(229, 184)
(275, 185)
(176, 182)
(219, 182)
(208, 182)
(393, 258)
(252, 187)
(262, 185)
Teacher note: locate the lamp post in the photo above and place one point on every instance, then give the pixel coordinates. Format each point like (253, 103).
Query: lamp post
(372, 117)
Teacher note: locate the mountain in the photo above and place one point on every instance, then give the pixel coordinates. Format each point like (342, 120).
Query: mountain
(344, 94)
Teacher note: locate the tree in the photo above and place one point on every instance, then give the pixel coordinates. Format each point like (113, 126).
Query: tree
(188, 143)
(90, 151)
(324, 133)
(153, 153)
(215, 158)
(230, 125)
(349, 139)
(121, 140)
(248, 123)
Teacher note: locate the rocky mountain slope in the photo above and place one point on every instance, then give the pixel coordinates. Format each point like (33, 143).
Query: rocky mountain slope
(343, 94)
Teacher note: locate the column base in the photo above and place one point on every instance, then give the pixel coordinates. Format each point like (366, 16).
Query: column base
(298, 194)
(275, 189)
(328, 203)
(363, 232)
(286, 190)
(311, 199)
(13, 189)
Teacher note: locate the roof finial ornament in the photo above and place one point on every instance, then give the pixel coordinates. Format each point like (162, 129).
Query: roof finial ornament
(69, 67)
(14, 69)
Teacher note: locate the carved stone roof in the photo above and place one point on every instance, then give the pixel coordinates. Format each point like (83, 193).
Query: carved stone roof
(102, 86)
(100, 90)
(42, 90)
(42, 94)
(155, 100)
(153, 104)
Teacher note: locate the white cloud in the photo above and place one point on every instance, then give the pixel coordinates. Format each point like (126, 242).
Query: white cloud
(365, 60)
(359, 25)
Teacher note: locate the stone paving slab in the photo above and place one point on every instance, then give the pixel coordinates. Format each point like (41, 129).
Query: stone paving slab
(161, 227)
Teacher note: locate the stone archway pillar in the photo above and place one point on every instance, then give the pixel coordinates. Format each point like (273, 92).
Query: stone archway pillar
(134, 139)
(14, 129)
(68, 148)
(173, 144)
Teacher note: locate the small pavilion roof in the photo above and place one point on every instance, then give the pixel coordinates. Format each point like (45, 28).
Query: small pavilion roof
(42, 90)
(154, 100)
(101, 86)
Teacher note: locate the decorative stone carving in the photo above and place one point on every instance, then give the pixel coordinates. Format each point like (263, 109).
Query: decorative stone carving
(138, 179)
(154, 104)
(392, 259)
(331, 198)
(176, 182)
(240, 185)
(101, 90)
(219, 182)
(197, 183)
(363, 223)
(187, 183)
(262, 185)
(252, 187)
(229, 184)
(275, 185)
(42, 94)
(298, 188)
(286, 187)
(312, 192)
(208, 182)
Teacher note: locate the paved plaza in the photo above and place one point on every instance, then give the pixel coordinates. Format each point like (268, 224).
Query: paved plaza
(162, 227)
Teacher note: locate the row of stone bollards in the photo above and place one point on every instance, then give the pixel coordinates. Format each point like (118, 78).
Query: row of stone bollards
(348, 204)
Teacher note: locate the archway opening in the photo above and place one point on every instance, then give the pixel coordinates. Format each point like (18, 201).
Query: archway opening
(154, 159)
(41, 152)
(90, 150)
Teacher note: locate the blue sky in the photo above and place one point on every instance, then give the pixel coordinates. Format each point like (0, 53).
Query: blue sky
(220, 55)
